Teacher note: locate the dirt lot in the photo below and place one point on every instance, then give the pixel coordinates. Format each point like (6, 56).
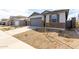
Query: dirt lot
(51, 39)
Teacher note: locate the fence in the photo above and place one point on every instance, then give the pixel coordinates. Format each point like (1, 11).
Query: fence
(71, 24)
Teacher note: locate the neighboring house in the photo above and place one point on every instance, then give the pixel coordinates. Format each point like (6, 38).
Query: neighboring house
(4, 21)
(18, 21)
(55, 18)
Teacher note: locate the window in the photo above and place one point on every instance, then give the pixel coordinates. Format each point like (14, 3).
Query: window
(54, 18)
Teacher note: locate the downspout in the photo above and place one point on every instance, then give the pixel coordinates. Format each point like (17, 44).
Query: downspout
(67, 13)
(44, 23)
(44, 20)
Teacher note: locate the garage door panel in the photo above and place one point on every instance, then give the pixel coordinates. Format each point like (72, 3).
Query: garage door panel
(17, 23)
(36, 22)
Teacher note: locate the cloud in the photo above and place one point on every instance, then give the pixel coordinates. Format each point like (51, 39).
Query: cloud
(73, 13)
(6, 13)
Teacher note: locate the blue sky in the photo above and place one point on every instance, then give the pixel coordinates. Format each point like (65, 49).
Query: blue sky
(5, 13)
(26, 7)
(73, 13)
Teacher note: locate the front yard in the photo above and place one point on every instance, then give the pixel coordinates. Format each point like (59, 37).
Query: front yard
(51, 39)
(6, 28)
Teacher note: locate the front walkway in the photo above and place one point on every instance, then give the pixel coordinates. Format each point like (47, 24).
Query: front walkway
(7, 41)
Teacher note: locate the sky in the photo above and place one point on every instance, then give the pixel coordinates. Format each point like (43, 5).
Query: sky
(6, 13)
(73, 13)
(27, 7)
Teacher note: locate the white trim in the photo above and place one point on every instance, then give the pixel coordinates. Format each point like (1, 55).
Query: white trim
(62, 17)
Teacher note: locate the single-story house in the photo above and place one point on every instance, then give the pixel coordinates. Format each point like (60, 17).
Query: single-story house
(56, 18)
(18, 21)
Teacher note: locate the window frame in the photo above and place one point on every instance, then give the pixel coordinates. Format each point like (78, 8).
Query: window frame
(54, 20)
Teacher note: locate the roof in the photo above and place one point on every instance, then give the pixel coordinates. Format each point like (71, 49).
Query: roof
(4, 20)
(48, 12)
(18, 17)
(55, 11)
(34, 13)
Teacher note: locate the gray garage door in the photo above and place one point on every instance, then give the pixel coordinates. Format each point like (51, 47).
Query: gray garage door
(36, 22)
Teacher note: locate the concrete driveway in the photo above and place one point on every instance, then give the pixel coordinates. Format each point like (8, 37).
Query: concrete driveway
(19, 30)
(7, 41)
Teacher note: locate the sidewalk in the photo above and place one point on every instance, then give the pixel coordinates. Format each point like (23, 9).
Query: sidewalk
(18, 30)
(7, 41)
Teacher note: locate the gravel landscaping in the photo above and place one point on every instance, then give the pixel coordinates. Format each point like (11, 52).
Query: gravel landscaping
(50, 39)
